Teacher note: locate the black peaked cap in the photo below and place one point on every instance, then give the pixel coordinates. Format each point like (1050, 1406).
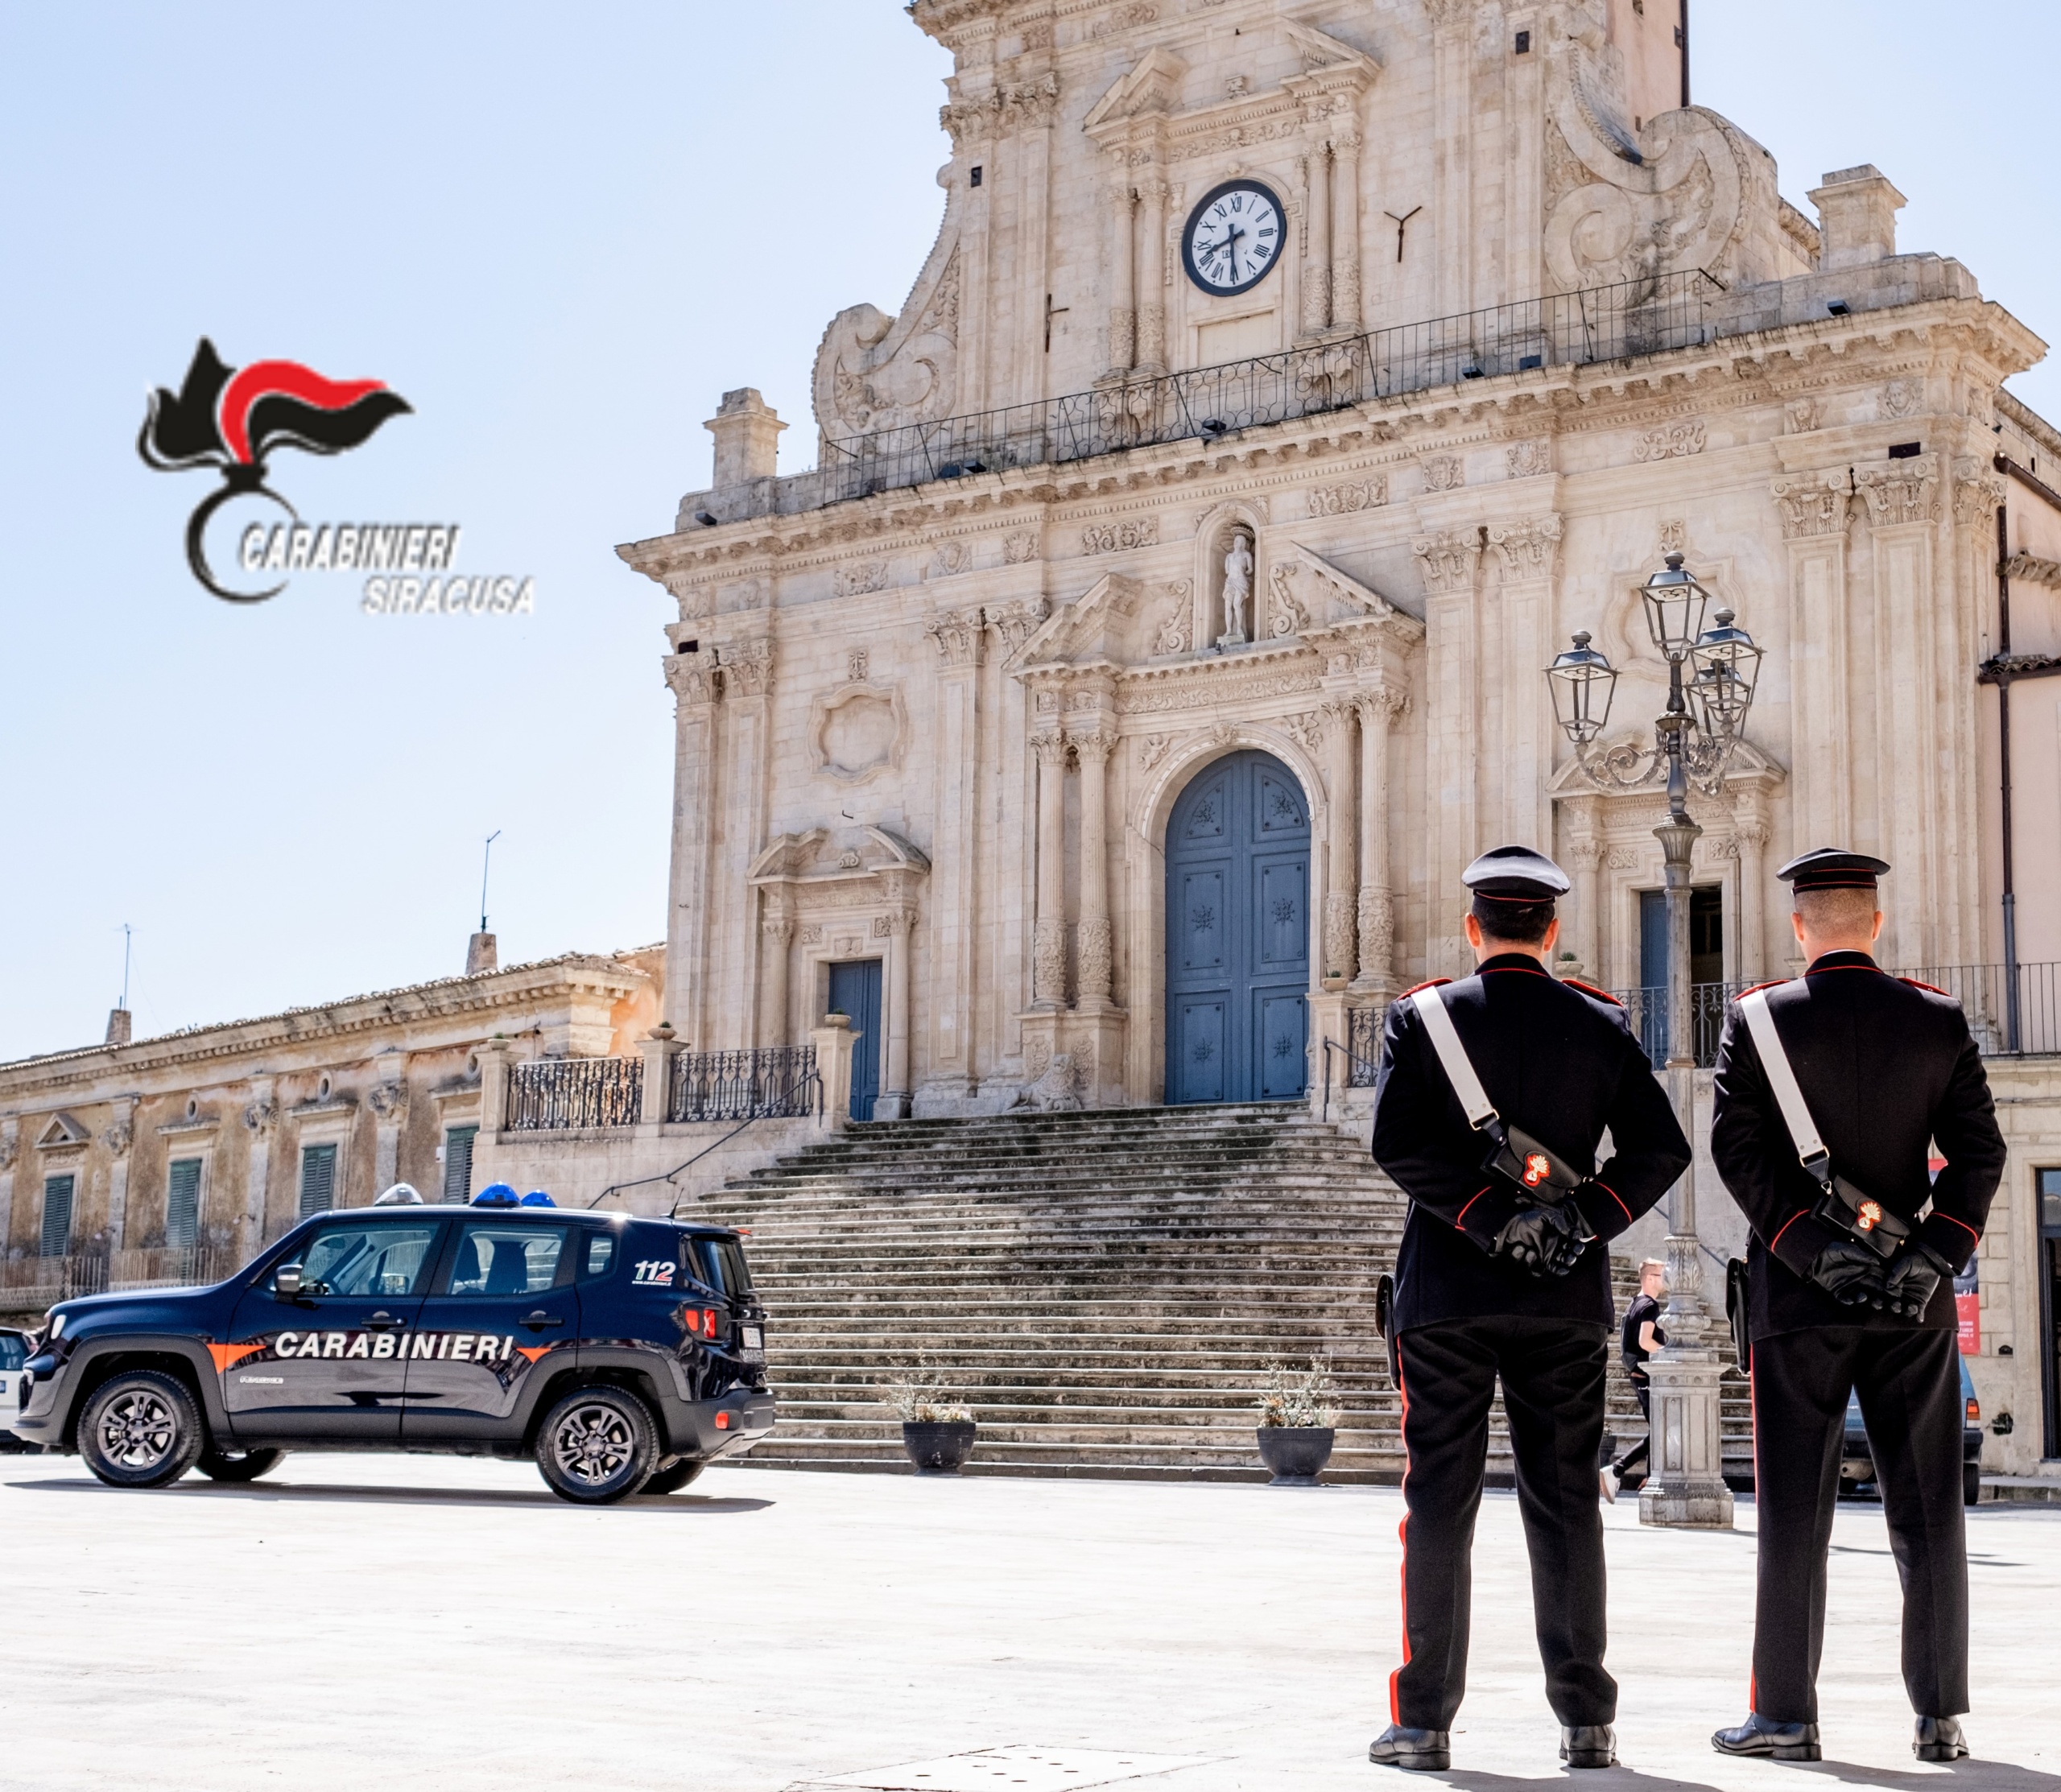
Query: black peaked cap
(1832, 868)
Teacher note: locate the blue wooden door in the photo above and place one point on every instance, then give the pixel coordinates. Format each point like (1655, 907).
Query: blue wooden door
(1238, 934)
(855, 990)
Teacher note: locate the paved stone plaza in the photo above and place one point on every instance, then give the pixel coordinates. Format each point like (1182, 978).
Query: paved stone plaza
(372, 1622)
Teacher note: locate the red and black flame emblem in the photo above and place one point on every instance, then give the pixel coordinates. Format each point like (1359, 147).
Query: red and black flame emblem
(232, 418)
(1536, 1170)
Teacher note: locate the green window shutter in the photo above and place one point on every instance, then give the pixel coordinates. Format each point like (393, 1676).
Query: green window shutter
(57, 1214)
(318, 1178)
(182, 1205)
(458, 1163)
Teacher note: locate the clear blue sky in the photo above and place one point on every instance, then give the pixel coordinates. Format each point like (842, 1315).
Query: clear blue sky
(561, 233)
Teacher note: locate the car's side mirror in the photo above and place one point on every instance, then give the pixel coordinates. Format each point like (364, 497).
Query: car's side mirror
(286, 1280)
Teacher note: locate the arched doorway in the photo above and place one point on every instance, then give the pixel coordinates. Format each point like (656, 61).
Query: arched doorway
(1238, 934)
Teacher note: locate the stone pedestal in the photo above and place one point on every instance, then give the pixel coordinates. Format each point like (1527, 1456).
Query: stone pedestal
(834, 1043)
(1685, 1486)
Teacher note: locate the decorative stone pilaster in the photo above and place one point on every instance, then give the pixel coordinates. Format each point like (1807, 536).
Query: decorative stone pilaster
(748, 665)
(1316, 239)
(1750, 829)
(261, 1116)
(961, 641)
(11, 1151)
(895, 928)
(1815, 509)
(117, 1138)
(696, 685)
(1095, 985)
(1341, 905)
(776, 930)
(1345, 256)
(1585, 852)
(1151, 274)
(1120, 201)
(388, 1101)
(1380, 708)
(1048, 949)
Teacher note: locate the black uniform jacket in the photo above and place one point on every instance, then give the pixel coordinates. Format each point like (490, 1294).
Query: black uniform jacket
(1887, 1069)
(1562, 1065)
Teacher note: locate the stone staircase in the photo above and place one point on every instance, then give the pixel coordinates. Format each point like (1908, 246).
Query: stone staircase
(1104, 1289)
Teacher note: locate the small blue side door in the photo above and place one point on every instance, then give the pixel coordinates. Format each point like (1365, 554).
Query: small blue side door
(855, 990)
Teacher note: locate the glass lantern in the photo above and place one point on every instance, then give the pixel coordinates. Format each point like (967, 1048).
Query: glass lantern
(1727, 668)
(1675, 609)
(1584, 682)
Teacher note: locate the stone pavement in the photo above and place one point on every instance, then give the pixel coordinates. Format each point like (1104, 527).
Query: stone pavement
(361, 1623)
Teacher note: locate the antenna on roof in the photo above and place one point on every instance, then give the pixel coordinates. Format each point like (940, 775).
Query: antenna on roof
(127, 931)
(486, 865)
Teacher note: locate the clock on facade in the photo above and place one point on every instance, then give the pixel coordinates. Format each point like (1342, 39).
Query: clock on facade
(1233, 237)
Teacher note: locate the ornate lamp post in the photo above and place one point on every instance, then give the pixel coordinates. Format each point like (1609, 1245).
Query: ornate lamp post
(1711, 677)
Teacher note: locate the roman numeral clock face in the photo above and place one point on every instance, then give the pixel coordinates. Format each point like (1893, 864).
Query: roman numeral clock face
(1234, 238)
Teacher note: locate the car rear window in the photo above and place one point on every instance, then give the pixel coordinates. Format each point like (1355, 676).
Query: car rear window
(720, 1262)
(13, 1352)
(600, 1256)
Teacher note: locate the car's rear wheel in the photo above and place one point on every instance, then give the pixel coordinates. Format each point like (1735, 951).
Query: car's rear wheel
(1971, 1483)
(142, 1429)
(597, 1446)
(672, 1480)
(219, 1465)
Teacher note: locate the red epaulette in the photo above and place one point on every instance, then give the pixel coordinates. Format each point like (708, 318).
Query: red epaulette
(1436, 982)
(1930, 988)
(1590, 989)
(1775, 984)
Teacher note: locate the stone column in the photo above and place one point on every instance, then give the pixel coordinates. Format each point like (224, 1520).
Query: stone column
(697, 690)
(896, 1098)
(1048, 953)
(1340, 907)
(777, 933)
(117, 1138)
(833, 1044)
(1454, 659)
(1453, 126)
(1814, 508)
(1316, 252)
(388, 1101)
(1152, 274)
(961, 643)
(1528, 557)
(658, 1049)
(747, 756)
(1379, 708)
(1585, 853)
(1749, 828)
(260, 1118)
(1122, 201)
(1345, 256)
(11, 1152)
(1096, 983)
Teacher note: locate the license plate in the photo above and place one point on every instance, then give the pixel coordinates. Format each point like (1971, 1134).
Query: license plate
(751, 1339)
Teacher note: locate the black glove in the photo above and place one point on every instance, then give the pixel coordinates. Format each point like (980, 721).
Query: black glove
(1851, 1274)
(1913, 1278)
(1546, 1241)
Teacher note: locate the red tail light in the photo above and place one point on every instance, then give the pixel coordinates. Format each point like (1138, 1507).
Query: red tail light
(700, 1321)
(722, 1421)
(1975, 1412)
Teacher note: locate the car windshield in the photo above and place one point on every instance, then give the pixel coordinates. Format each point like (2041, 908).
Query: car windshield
(365, 1259)
(13, 1350)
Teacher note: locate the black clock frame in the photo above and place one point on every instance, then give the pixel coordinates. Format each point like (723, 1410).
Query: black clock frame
(1243, 184)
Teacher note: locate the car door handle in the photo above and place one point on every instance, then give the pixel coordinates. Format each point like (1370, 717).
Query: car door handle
(538, 1320)
(385, 1322)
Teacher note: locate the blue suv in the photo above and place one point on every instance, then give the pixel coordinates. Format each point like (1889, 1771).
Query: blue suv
(622, 1355)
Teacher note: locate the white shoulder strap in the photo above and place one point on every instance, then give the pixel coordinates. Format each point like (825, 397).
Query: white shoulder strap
(1802, 1130)
(1459, 1066)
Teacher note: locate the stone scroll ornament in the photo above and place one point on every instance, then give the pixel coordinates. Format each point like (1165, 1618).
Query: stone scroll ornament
(231, 419)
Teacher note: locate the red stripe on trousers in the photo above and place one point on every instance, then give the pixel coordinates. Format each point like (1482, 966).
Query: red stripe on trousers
(1402, 1536)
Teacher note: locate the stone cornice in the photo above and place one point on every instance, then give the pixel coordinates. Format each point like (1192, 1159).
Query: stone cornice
(1753, 368)
(480, 999)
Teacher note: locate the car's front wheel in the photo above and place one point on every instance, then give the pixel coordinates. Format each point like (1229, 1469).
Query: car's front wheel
(219, 1465)
(1971, 1483)
(142, 1429)
(597, 1446)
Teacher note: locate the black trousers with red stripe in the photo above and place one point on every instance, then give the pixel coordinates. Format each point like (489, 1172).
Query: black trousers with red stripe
(1552, 1374)
(1910, 1384)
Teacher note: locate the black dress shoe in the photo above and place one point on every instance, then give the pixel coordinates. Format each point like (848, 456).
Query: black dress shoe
(1762, 1736)
(1418, 1751)
(1939, 1738)
(1588, 1745)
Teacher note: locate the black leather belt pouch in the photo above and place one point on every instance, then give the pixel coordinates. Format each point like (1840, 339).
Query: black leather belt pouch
(1541, 1178)
(1860, 1216)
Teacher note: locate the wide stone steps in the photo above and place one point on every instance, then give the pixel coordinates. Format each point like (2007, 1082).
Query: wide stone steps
(1105, 1290)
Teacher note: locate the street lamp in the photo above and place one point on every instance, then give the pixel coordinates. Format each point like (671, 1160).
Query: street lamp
(1712, 675)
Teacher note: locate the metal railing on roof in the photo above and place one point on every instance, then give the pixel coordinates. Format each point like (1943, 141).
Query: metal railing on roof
(1612, 323)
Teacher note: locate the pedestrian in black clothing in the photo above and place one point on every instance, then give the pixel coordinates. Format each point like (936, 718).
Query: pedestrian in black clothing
(1831, 1091)
(1493, 1095)
(1641, 1336)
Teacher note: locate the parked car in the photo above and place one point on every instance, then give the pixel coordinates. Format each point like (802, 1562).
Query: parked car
(14, 1352)
(1857, 1468)
(622, 1354)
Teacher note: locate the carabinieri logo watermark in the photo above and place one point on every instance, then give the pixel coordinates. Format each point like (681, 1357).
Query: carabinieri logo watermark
(234, 418)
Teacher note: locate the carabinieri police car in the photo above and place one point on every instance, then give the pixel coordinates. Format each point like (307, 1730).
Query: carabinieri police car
(623, 1355)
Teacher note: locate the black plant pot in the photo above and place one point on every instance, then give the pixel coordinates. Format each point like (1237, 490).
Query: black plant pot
(1296, 1454)
(939, 1447)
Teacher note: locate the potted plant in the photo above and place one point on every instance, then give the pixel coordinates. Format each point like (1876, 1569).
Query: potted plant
(937, 1426)
(1298, 1422)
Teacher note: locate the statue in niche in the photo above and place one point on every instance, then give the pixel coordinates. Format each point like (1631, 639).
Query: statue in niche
(1238, 590)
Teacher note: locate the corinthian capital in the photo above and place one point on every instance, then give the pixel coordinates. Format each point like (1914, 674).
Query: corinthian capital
(1814, 504)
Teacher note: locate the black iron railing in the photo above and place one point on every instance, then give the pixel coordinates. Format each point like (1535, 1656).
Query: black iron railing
(1647, 1010)
(1635, 317)
(1363, 1046)
(2013, 1012)
(773, 1083)
(567, 1094)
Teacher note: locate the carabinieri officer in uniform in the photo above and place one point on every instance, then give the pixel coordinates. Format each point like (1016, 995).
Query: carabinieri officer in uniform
(1851, 1290)
(1503, 1271)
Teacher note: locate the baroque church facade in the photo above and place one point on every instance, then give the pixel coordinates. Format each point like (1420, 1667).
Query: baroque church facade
(1163, 627)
